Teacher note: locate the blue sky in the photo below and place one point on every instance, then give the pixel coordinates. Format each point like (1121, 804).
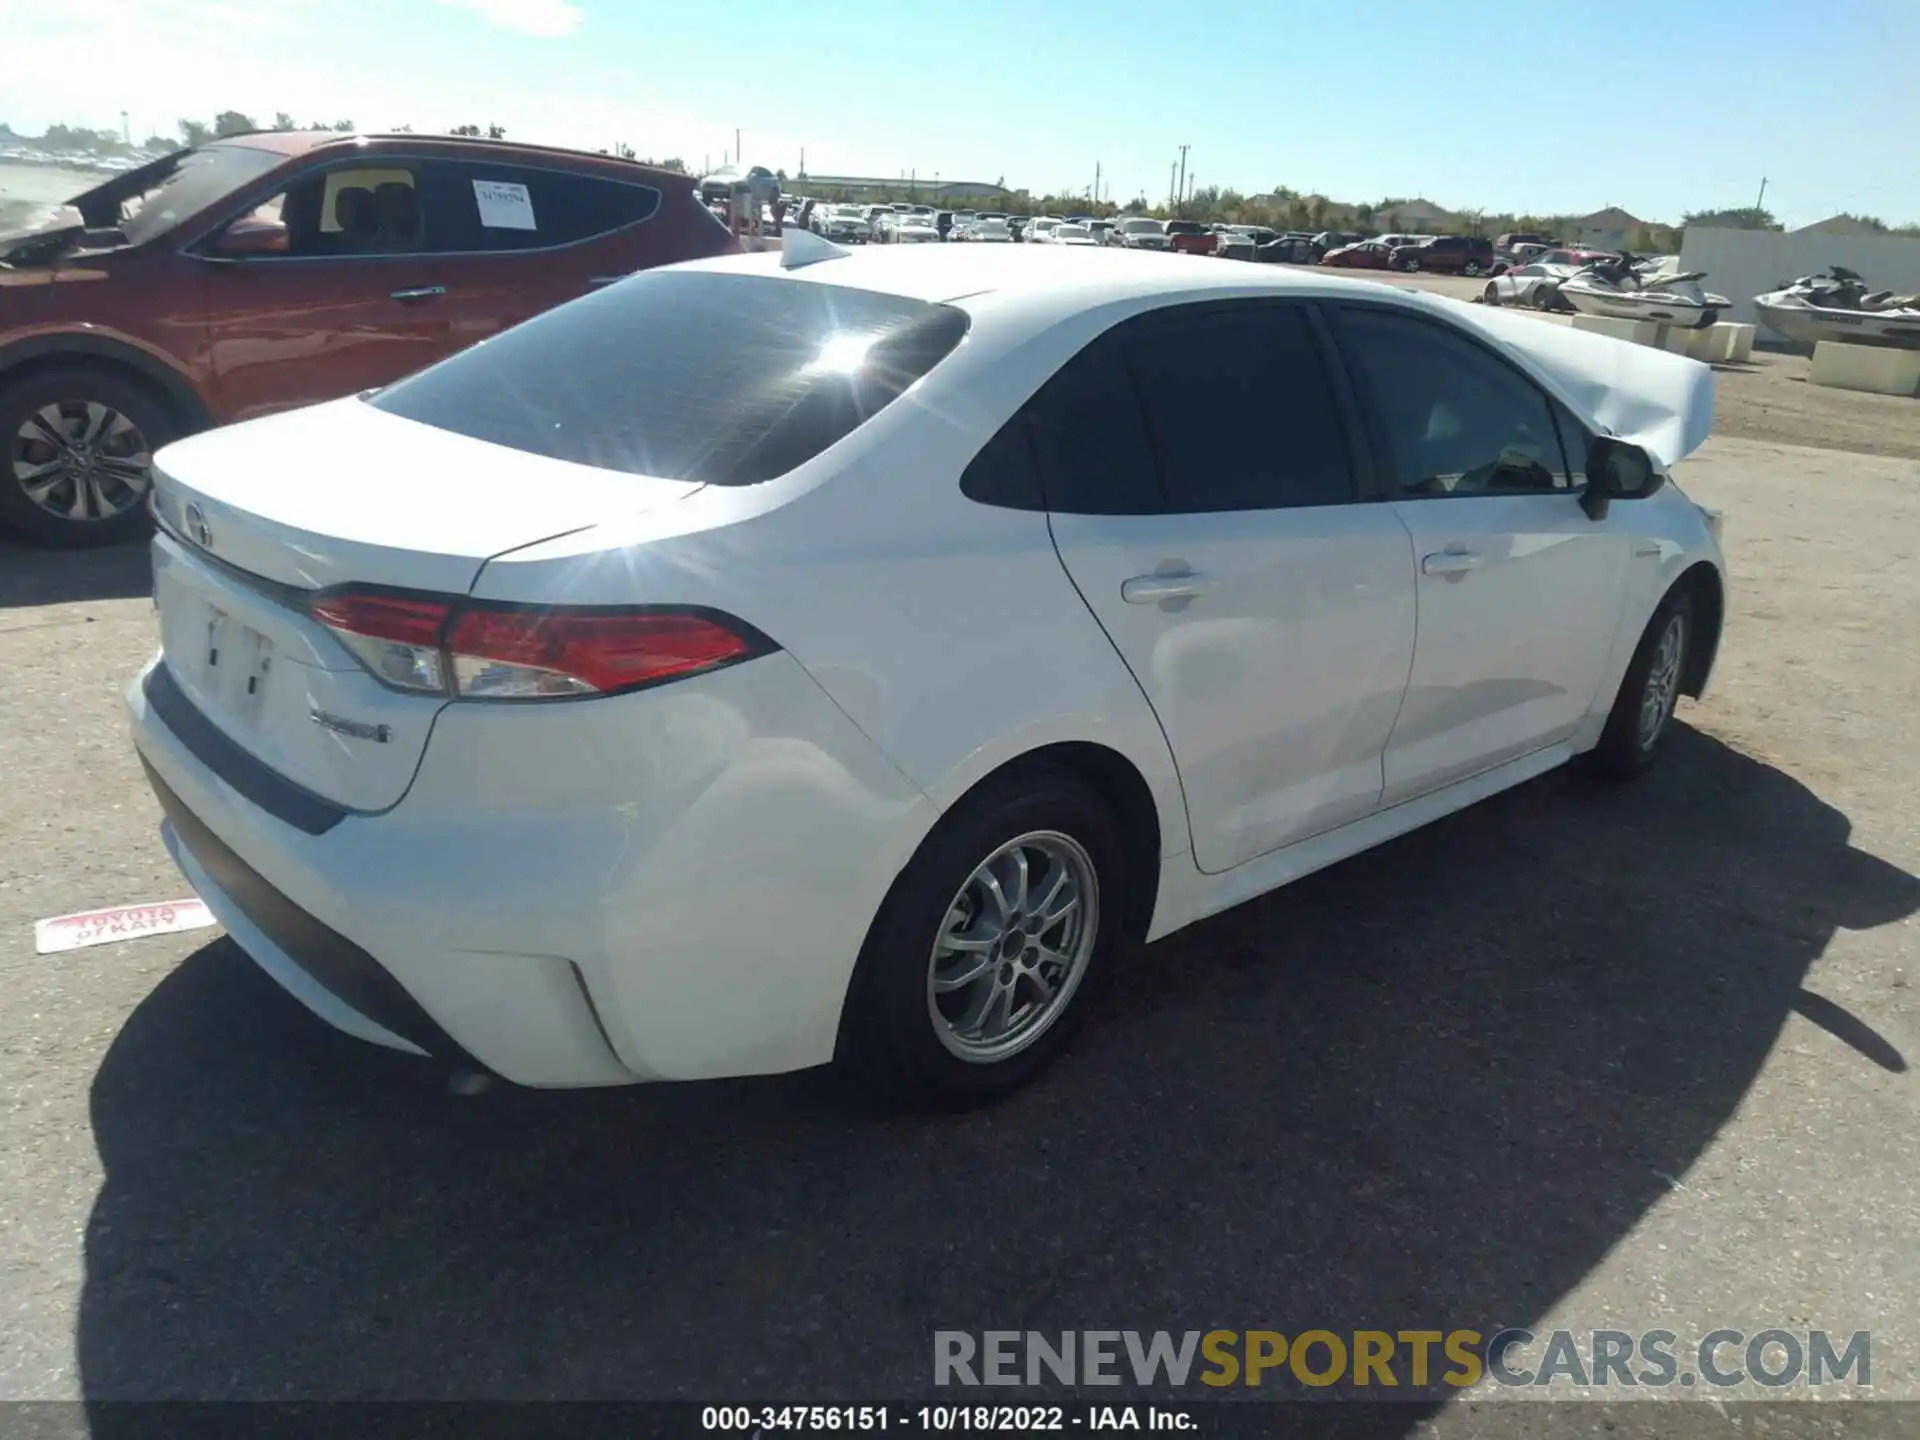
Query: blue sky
(1359, 101)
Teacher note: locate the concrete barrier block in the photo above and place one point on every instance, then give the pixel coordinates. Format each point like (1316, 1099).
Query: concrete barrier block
(1738, 342)
(1550, 317)
(1640, 332)
(1694, 344)
(1873, 368)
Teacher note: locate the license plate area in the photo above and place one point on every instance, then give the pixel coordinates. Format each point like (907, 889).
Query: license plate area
(236, 665)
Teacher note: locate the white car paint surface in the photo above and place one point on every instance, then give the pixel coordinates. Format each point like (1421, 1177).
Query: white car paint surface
(675, 881)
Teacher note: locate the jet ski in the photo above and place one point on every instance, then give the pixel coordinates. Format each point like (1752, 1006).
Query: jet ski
(1620, 287)
(1837, 305)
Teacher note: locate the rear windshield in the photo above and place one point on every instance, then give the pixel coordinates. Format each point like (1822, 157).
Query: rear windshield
(688, 375)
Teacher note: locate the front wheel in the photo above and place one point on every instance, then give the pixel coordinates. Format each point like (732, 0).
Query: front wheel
(1473, 269)
(1642, 714)
(1491, 295)
(978, 968)
(77, 461)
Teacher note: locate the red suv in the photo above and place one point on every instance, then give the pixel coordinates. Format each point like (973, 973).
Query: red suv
(274, 270)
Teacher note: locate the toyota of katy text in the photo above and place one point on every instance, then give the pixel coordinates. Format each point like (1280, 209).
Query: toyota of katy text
(843, 656)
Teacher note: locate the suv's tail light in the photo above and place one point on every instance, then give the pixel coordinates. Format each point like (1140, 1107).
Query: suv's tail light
(479, 651)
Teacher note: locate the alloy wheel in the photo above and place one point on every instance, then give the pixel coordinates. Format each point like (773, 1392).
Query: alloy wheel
(1014, 947)
(1663, 681)
(81, 460)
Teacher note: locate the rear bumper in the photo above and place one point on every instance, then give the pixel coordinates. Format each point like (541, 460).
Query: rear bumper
(667, 885)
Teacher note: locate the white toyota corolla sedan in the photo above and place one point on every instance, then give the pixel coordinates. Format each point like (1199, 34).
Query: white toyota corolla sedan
(843, 656)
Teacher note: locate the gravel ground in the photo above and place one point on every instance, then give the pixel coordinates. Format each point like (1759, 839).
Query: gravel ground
(1576, 1057)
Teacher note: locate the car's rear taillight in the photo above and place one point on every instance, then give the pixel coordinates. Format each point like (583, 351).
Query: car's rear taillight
(478, 651)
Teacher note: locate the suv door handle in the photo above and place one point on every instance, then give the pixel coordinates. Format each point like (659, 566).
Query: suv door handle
(1152, 589)
(1449, 562)
(419, 292)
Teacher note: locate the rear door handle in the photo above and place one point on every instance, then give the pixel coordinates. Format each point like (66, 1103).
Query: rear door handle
(1449, 562)
(419, 292)
(1152, 589)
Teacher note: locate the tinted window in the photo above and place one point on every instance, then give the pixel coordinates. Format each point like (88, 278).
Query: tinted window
(347, 210)
(728, 379)
(1239, 408)
(1455, 419)
(473, 207)
(1003, 472)
(1089, 439)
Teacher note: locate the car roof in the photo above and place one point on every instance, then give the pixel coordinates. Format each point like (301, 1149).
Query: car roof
(1045, 282)
(303, 142)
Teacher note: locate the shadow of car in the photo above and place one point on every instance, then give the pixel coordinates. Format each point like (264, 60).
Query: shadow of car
(1436, 1082)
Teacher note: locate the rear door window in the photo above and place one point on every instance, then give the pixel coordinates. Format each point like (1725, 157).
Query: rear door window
(717, 378)
(1239, 408)
(480, 208)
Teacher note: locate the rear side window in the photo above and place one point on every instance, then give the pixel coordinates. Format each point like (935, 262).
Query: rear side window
(1241, 411)
(472, 207)
(718, 378)
(1090, 440)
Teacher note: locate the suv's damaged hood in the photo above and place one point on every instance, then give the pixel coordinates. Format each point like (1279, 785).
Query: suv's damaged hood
(1659, 401)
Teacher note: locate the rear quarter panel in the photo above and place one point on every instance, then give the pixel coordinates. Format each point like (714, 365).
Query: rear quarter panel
(948, 631)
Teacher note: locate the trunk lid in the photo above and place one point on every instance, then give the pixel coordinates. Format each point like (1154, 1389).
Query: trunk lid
(343, 493)
(264, 514)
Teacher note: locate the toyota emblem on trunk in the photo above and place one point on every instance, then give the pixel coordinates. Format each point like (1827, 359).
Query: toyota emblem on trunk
(198, 530)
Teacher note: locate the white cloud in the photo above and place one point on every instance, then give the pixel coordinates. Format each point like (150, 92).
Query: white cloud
(530, 17)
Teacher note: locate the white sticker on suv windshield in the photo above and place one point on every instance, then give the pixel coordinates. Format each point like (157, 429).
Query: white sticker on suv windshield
(504, 205)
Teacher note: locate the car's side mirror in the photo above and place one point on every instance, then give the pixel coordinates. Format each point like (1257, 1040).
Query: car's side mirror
(247, 237)
(1617, 470)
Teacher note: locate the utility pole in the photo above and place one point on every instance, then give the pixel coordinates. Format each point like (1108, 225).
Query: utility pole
(803, 162)
(1096, 182)
(1180, 190)
(1172, 170)
(126, 130)
(1763, 193)
(736, 148)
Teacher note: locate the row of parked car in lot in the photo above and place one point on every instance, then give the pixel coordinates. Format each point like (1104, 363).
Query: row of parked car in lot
(902, 222)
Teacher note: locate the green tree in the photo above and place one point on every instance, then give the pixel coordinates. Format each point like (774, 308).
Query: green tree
(1750, 217)
(283, 121)
(193, 133)
(233, 122)
(623, 150)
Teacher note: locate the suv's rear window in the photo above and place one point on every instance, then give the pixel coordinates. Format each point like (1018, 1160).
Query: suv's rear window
(688, 375)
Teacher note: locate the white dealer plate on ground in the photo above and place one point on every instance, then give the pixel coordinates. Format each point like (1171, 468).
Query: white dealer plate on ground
(122, 922)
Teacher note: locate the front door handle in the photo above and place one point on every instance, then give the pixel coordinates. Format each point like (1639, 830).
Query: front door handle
(1152, 589)
(1449, 562)
(419, 292)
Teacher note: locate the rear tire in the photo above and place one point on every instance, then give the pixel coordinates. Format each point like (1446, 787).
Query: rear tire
(907, 1030)
(76, 455)
(1473, 269)
(1642, 714)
